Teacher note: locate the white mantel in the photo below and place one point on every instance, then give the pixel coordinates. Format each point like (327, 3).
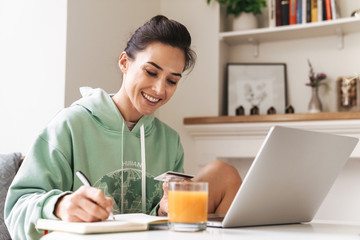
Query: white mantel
(238, 144)
(243, 140)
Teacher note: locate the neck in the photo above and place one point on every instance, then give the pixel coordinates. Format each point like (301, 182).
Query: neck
(126, 108)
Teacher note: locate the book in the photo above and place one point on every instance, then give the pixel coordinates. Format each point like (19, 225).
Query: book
(324, 10)
(284, 12)
(278, 12)
(333, 9)
(299, 11)
(292, 12)
(303, 14)
(328, 9)
(121, 223)
(320, 10)
(314, 11)
(308, 11)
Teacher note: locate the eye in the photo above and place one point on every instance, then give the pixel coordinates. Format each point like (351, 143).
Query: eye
(151, 73)
(172, 82)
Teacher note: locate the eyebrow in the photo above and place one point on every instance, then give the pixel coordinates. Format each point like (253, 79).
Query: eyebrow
(160, 68)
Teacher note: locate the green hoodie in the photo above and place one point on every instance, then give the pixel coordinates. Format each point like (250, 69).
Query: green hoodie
(91, 135)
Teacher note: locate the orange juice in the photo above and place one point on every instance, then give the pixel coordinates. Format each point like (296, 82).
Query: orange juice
(187, 206)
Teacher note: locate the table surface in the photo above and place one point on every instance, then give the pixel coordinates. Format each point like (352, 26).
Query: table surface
(304, 231)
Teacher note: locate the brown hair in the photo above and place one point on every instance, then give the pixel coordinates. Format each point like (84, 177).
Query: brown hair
(161, 29)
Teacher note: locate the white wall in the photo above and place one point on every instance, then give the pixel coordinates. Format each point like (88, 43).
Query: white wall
(32, 68)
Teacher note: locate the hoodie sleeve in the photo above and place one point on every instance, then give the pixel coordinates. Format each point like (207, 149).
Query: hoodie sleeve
(44, 176)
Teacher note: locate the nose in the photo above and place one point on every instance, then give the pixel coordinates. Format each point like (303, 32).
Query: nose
(159, 87)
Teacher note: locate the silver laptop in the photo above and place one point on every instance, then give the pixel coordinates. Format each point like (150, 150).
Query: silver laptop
(289, 178)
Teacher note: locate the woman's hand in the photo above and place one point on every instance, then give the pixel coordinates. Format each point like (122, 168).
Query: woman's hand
(163, 209)
(87, 204)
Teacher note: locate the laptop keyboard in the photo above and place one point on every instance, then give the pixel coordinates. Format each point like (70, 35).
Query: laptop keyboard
(214, 217)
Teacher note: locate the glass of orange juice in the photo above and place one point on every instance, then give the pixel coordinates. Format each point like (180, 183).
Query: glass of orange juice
(188, 206)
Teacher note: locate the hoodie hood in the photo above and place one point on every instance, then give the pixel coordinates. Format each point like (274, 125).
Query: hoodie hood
(101, 106)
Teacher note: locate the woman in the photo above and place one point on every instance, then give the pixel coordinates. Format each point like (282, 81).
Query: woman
(117, 142)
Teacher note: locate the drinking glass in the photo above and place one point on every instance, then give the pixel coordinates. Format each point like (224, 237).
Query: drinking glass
(188, 206)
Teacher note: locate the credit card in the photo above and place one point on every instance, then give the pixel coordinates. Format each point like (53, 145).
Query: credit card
(173, 176)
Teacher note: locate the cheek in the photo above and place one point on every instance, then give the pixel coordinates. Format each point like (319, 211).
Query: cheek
(170, 92)
(131, 83)
(129, 86)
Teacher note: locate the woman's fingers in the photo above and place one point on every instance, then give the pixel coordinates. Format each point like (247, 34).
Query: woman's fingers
(165, 188)
(87, 204)
(97, 196)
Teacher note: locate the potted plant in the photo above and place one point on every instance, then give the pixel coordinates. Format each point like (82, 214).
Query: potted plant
(244, 12)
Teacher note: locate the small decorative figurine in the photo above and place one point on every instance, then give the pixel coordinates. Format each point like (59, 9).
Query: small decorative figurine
(271, 110)
(289, 109)
(254, 110)
(348, 93)
(239, 111)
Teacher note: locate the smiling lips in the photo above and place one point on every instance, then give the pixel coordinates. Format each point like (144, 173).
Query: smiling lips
(149, 98)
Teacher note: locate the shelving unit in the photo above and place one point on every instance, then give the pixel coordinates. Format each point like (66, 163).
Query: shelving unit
(229, 41)
(338, 28)
(325, 28)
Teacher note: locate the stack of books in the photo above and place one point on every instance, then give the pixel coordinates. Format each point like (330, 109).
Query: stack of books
(288, 12)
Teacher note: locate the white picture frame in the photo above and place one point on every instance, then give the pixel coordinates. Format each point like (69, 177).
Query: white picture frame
(256, 84)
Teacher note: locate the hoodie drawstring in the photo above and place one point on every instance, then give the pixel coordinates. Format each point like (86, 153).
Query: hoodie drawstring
(143, 168)
(122, 166)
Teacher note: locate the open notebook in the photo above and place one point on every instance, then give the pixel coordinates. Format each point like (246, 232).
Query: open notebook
(122, 223)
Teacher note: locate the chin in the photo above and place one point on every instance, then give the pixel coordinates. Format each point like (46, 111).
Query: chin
(147, 113)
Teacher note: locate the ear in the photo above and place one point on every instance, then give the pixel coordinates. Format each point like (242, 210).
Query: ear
(123, 62)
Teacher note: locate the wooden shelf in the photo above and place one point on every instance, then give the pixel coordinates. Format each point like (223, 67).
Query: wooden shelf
(336, 27)
(324, 116)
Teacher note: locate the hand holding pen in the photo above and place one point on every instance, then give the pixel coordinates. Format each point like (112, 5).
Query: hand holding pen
(86, 182)
(87, 204)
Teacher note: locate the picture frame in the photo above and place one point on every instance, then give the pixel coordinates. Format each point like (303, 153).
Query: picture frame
(263, 85)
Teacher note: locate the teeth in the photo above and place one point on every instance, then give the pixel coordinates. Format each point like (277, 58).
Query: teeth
(151, 99)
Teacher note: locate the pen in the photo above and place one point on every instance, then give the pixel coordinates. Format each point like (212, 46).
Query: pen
(86, 182)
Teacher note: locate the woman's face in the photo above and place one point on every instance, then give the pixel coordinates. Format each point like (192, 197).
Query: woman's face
(150, 80)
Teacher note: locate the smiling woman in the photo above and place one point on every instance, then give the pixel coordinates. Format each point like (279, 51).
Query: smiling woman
(117, 142)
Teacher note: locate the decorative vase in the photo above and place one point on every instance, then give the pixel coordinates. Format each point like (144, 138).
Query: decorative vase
(315, 104)
(245, 21)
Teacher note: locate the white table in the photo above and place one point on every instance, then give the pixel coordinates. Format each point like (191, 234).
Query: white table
(316, 231)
